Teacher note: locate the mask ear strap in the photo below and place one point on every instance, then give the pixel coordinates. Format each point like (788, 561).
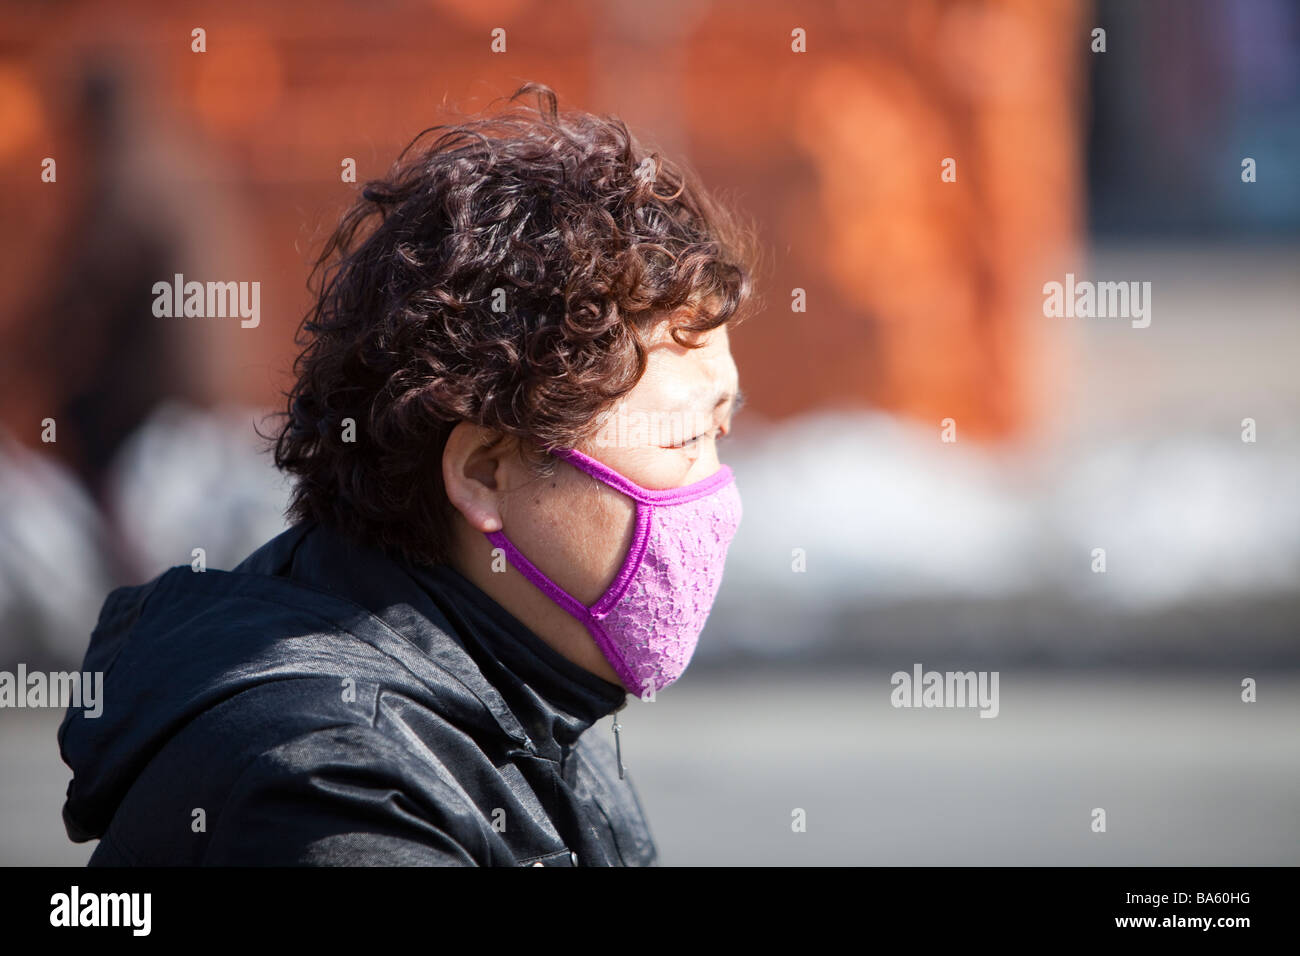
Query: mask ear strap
(640, 527)
(540, 580)
(566, 601)
(667, 496)
(598, 470)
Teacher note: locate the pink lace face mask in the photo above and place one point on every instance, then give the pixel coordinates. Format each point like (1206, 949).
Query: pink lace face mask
(648, 623)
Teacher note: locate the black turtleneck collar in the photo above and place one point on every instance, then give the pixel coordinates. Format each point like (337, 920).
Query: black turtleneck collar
(510, 653)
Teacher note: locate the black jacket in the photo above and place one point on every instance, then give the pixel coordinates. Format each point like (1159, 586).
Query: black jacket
(325, 705)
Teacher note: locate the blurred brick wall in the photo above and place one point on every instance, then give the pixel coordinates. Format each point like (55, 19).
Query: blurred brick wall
(921, 294)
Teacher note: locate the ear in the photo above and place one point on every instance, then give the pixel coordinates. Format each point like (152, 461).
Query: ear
(474, 473)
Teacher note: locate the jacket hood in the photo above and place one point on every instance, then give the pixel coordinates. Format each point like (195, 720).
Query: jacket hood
(310, 603)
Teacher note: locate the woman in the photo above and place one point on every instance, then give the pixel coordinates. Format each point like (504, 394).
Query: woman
(509, 514)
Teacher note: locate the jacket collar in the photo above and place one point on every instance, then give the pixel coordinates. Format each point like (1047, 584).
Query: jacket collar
(554, 699)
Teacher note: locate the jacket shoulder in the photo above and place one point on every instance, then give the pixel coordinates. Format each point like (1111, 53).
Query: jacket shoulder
(300, 771)
(345, 795)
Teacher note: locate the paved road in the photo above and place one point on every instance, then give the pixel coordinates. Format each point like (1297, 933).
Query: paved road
(1187, 773)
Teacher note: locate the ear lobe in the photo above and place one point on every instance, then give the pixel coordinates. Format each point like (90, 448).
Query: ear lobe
(473, 473)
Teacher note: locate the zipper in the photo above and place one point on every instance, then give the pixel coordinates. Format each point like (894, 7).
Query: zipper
(618, 745)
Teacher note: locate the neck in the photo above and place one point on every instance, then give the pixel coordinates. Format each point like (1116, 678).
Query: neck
(473, 558)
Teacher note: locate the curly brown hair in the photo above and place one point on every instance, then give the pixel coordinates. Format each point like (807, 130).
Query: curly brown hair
(505, 275)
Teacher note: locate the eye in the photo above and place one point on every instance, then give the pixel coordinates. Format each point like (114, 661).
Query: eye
(713, 433)
(716, 434)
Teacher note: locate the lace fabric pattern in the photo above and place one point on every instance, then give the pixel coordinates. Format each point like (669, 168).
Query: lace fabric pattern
(659, 617)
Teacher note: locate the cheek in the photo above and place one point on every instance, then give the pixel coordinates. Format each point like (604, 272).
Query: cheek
(597, 539)
(577, 531)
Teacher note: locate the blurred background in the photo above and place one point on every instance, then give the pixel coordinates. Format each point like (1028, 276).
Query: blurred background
(869, 543)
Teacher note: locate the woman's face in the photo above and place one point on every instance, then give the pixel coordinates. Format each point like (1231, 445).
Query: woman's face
(577, 530)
